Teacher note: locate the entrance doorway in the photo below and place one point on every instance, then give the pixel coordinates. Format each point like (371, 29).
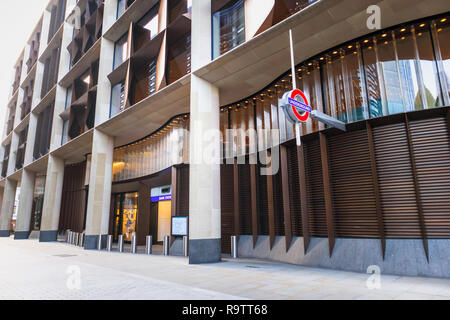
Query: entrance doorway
(125, 215)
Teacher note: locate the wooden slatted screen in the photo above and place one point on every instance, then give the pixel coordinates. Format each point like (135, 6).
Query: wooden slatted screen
(278, 204)
(183, 191)
(316, 203)
(398, 200)
(245, 216)
(294, 191)
(431, 144)
(227, 198)
(354, 207)
(73, 202)
(263, 211)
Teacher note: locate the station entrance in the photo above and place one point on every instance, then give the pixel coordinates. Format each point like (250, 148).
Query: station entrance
(145, 206)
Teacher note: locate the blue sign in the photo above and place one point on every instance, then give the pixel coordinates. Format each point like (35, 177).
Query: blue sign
(161, 198)
(300, 105)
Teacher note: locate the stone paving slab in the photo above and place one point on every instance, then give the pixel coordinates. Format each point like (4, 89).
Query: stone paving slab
(33, 270)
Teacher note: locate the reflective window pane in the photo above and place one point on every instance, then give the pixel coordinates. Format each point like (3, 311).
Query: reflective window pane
(228, 27)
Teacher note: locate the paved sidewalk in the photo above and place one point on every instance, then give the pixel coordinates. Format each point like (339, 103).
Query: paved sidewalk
(32, 270)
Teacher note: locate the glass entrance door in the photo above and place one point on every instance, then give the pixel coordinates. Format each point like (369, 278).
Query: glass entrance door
(125, 215)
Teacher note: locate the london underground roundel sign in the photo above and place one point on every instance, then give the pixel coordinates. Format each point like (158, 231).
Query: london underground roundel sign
(296, 106)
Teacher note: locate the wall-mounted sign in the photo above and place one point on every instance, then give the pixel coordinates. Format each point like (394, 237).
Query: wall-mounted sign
(296, 106)
(179, 226)
(161, 198)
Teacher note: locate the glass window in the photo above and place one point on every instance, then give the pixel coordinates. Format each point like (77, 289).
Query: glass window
(68, 98)
(228, 27)
(409, 71)
(388, 71)
(373, 85)
(117, 99)
(65, 132)
(122, 6)
(442, 36)
(428, 67)
(121, 51)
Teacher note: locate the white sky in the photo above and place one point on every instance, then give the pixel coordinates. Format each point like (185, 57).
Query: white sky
(17, 20)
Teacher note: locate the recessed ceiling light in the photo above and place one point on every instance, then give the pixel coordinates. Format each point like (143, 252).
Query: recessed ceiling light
(422, 25)
(444, 19)
(403, 30)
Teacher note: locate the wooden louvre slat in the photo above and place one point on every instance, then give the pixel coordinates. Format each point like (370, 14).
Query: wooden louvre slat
(227, 209)
(278, 204)
(328, 191)
(245, 221)
(263, 210)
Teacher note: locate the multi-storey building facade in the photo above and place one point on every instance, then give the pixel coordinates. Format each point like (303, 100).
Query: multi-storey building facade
(115, 105)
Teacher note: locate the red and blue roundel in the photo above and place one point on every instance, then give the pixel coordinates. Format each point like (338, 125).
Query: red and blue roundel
(299, 108)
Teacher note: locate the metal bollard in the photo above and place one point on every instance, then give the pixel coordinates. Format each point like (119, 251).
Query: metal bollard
(166, 245)
(77, 237)
(81, 240)
(121, 243)
(133, 244)
(109, 245)
(72, 237)
(234, 247)
(99, 242)
(69, 237)
(185, 246)
(149, 245)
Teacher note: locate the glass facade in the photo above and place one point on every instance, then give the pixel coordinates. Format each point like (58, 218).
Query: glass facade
(228, 27)
(161, 150)
(393, 71)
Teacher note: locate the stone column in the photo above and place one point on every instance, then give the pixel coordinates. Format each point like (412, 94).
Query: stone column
(52, 199)
(25, 205)
(100, 175)
(99, 199)
(204, 201)
(9, 197)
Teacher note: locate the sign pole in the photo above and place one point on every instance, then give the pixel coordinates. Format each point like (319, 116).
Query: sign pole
(294, 85)
(294, 81)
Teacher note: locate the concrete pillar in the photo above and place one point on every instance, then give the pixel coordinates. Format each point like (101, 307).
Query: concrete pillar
(9, 197)
(99, 198)
(52, 199)
(101, 161)
(204, 201)
(25, 205)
